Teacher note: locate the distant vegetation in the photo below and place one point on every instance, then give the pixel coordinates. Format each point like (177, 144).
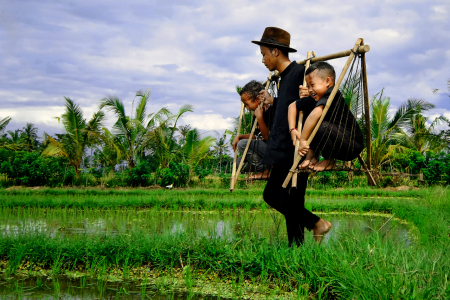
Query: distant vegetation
(144, 149)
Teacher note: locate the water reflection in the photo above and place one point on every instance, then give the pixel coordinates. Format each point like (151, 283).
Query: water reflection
(76, 289)
(226, 225)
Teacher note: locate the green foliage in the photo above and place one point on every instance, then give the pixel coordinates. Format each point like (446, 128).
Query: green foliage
(438, 167)
(139, 175)
(408, 160)
(31, 169)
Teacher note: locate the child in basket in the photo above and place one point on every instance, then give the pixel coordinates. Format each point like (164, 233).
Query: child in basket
(339, 136)
(251, 99)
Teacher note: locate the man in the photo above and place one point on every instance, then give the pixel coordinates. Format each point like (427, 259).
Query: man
(275, 48)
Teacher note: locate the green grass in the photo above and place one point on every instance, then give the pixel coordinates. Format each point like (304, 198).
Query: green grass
(209, 199)
(356, 266)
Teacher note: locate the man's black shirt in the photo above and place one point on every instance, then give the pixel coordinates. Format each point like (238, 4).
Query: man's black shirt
(280, 145)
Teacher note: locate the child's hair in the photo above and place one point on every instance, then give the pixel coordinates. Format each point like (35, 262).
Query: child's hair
(252, 88)
(323, 68)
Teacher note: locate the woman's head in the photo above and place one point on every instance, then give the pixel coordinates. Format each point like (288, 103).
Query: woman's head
(249, 94)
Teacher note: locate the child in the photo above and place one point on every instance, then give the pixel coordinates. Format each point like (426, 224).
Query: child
(250, 97)
(339, 135)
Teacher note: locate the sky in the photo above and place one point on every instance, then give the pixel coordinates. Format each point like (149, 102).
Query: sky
(196, 52)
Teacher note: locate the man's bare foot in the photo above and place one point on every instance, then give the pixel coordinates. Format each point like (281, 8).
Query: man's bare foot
(322, 227)
(263, 175)
(309, 161)
(326, 164)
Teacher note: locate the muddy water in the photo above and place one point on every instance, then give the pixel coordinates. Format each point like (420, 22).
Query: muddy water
(226, 224)
(70, 289)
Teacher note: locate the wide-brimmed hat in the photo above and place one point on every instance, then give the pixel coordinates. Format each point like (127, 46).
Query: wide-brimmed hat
(274, 37)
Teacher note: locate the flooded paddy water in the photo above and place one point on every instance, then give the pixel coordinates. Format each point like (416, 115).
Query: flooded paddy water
(226, 224)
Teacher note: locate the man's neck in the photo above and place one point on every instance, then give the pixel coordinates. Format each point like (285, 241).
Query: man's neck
(282, 64)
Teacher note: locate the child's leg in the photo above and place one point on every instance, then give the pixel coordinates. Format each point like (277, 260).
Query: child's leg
(331, 143)
(309, 161)
(326, 164)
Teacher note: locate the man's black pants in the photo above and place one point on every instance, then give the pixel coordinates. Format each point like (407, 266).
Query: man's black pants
(290, 201)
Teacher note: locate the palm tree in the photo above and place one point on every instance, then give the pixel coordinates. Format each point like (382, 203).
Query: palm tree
(128, 132)
(183, 130)
(160, 138)
(435, 91)
(196, 149)
(78, 135)
(384, 128)
(13, 141)
(220, 147)
(3, 123)
(29, 137)
(420, 137)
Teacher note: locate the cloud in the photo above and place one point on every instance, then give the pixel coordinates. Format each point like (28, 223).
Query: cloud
(208, 121)
(198, 51)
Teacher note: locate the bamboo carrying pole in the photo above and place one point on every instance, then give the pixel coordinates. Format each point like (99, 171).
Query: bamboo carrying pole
(233, 180)
(366, 110)
(300, 120)
(233, 174)
(360, 49)
(327, 106)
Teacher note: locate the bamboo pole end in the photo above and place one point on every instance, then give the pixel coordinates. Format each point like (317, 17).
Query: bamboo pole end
(364, 49)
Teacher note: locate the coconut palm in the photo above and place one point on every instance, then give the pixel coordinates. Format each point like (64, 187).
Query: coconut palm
(160, 139)
(220, 147)
(183, 130)
(196, 149)
(421, 137)
(78, 135)
(29, 137)
(435, 91)
(3, 123)
(127, 136)
(384, 128)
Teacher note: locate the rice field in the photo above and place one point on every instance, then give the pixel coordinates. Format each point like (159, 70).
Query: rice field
(210, 244)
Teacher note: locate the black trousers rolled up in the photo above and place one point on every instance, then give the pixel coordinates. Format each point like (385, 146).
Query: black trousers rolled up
(290, 201)
(336, 142)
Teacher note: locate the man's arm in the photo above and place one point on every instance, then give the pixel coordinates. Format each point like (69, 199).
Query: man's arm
(292, 115)
(308, 128)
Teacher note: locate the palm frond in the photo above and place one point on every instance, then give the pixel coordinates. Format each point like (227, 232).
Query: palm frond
(409, 108)
(141, 108)
(4, 122)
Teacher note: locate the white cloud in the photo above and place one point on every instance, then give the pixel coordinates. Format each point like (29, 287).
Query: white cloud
(197, 52)
(208, 121)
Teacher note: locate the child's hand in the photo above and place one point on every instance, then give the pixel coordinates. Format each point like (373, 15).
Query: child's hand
(303, 148)
(303, 91)
(235, 142)
(295, 135)
(258, 112)
(265, 96)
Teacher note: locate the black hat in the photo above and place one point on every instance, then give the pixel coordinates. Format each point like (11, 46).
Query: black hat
(274, 37)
